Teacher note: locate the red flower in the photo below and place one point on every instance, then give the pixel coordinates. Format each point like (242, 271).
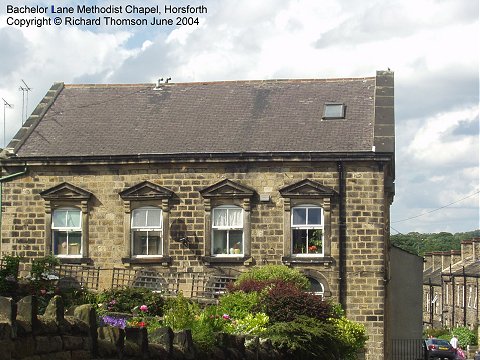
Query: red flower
(142, 324)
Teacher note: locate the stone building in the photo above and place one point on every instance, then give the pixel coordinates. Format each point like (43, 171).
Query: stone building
(450, 286)
(214, 178)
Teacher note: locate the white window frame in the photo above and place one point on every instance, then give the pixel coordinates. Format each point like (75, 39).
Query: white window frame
(67, 230)
(446, 294)
(475, 298)
(435, 303)
(228, 228)
(308, 227)
(320, 293)
(469, 301)
(158, 228)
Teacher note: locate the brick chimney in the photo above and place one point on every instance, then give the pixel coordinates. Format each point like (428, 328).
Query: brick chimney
(455, 256)
(436, 260)
(476, 248)
(446, 260)
(427, 261)
(467, 249)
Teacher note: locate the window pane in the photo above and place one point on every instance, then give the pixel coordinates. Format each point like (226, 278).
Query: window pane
(235, 217)
(220, 217)
(59, 218)
(299, 216)
(333, 111)
(73, 218)
(139, 218)
(154, 243)
(315, 241)
(299, 241)
(139, 243)
(74, 243)
(236, 241)
(59, 242)
(154, 218)
(316, 286)
(314, 216)
(219, 245)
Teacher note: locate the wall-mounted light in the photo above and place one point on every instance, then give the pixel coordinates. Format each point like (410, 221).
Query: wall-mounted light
(184, 240)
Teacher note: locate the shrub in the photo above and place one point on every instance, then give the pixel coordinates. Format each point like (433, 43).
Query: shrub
(239, 304)
(465, 336)
(275, 272)
(351, 335)
(207, 326)
(9, 275)
(285, 302)
(252, 285)
(436, 332)
(180, 313)
(305, 338)
(252, 324)
(42, 268)
(125, 300)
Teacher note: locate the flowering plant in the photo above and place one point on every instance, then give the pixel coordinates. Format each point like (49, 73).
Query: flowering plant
(142, 318)
(113, 321)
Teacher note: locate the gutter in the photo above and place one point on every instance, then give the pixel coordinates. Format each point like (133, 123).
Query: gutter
(2, 180)
(281, 156)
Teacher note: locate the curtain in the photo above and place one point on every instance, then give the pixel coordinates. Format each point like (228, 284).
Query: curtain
(227, 217)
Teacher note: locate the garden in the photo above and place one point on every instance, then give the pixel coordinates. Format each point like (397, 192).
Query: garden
(270, 304)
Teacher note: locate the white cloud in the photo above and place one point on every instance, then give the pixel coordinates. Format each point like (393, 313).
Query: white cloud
(431, 144)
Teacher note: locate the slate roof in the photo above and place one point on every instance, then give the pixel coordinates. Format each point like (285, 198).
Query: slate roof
(433, 276)
(212, 117)
(471, 269)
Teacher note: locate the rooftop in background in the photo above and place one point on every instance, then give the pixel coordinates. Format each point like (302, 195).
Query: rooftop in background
(271, 116)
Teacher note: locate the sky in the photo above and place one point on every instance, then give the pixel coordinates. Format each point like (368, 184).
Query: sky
(431, 45)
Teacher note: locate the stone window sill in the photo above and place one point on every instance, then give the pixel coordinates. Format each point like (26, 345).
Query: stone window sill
(164, 260)
(75, 260)
(227, 259)
(325, 260)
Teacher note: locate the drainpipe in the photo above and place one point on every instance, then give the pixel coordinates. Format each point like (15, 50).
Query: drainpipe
(431, 302)
(464, 297)
(342, 236)
(453, 297)
(2, 180)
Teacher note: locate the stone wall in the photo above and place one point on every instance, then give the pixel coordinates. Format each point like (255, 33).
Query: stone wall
(25, 226)
(26, 335)
(54, 336)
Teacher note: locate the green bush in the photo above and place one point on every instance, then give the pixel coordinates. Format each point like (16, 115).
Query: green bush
(126, 299)
(239, 304)
(275, 272)
(207, 326)
(43, 268)
(351, 335)
(9, 275)
(465, 336)
(305, 338)
(435, 332)
(180, 313)
(252, 324)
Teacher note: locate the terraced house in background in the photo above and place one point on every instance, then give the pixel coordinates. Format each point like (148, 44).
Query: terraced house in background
(216, 177)
(451, 286)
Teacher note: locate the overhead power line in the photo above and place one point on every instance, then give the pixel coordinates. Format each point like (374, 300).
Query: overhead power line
(431, 211)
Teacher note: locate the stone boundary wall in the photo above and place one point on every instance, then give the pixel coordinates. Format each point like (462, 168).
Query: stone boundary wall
(74, 335)
(26, 335)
